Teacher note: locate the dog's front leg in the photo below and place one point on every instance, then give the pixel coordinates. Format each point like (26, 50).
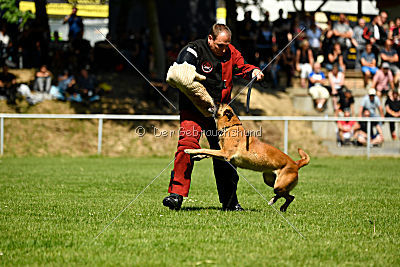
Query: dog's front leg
(218, 154)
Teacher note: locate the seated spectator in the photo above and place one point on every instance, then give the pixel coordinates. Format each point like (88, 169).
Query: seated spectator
(345, 129)
(343, 32)
(336, 83)
(346, 102)
(392, 107)
(335, 57)
(317, 91)
(394, 34)
(382, 79)
(359, 41)
(314, 37)
(43, 80)
(86, 88)
(8, 85)
(389, 55)
(368, 63)
(362, 130)
(304, 61)
(372, 103)
(65, 83)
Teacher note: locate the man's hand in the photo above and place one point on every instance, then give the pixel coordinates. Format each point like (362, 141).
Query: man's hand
(258, 73)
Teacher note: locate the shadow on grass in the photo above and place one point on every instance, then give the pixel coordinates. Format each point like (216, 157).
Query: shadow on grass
(211, 208)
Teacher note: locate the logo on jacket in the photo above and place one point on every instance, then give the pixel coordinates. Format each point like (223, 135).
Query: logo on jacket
(207, 67)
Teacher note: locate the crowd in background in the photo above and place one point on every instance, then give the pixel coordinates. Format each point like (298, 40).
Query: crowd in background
(320, 56)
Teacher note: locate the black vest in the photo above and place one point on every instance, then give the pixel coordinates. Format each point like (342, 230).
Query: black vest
(209, 65)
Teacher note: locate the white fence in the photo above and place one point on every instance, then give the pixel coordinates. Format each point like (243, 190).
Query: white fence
(101, 117)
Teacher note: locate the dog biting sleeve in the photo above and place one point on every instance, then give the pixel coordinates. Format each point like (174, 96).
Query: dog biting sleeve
(186, 79)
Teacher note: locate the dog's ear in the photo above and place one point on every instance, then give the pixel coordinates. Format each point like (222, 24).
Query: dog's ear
(228, 113)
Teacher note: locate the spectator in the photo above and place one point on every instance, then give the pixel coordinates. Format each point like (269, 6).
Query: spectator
(65, 84)
(368, 63)
(382, 79)
(264, 42)
(304, 61)
(376, 34)
(314, 36)
(274, 67)
(336, 84)
(4, 43)
(346, 102)
(343, 33)
(75, 24)
(336, 57)
(8, 85)
(372, 103)
(392, 107)
(345, 129)
(87, 86)
(362, 130)
(389, 55)
(282, 30)
(317, 91)
(359, 41)
(247, 36)
(287, 61)
(384, 22)
(43, 80)
(394, 34)
(327, 43)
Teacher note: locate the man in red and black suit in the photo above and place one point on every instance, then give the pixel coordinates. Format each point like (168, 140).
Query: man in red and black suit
(217, 60)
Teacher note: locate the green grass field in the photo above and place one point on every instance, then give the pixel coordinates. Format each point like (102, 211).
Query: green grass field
(52, 208)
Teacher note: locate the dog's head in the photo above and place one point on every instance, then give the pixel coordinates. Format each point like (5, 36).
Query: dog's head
(225, 116)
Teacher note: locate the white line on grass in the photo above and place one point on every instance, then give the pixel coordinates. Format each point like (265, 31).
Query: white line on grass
(280, 213)
(137, 69)
(133, 200)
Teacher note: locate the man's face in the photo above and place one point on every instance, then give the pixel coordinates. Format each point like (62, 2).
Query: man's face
(372, 98)
(220, 44)
(368, 48)
(74, 10)
(361, 22)
(347, 94)
(317, 67)
(342, 18)
(366, 113)
(385, 71)
(384, 17)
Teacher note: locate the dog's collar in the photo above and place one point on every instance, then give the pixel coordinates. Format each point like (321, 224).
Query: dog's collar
(223, 130)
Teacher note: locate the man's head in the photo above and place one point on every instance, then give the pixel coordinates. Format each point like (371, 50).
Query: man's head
(342, 18)
(43, 68)
(335, 69)
(385, 67)
(219, 38)
(247, 15)
(368, 48)
(395, 93)
(280, 12)
(388, 44)
(317, 67)
(361, 23)
(372, 94)
(74, 10)
(384, 16)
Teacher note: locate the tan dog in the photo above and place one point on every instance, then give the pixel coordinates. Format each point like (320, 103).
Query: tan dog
(248, 152)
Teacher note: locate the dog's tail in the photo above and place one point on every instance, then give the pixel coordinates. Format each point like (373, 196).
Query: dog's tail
(305, 158)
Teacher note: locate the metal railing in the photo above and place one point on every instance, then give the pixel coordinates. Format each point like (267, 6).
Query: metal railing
(101, 117)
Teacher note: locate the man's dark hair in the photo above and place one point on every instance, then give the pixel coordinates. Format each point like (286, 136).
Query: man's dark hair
(217, 28)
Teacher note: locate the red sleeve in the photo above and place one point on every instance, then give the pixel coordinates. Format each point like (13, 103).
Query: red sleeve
(240, 66)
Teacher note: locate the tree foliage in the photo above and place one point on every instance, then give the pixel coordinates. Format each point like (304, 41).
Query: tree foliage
(12, 14)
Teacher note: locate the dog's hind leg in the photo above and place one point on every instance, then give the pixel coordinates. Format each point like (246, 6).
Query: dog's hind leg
(289, 199)
(269, 178)
(273, 200)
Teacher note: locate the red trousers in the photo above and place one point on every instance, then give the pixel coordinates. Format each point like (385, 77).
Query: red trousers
(191, 126)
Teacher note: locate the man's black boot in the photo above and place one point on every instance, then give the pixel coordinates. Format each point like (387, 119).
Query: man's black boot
(236, 207)
(173, 201)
